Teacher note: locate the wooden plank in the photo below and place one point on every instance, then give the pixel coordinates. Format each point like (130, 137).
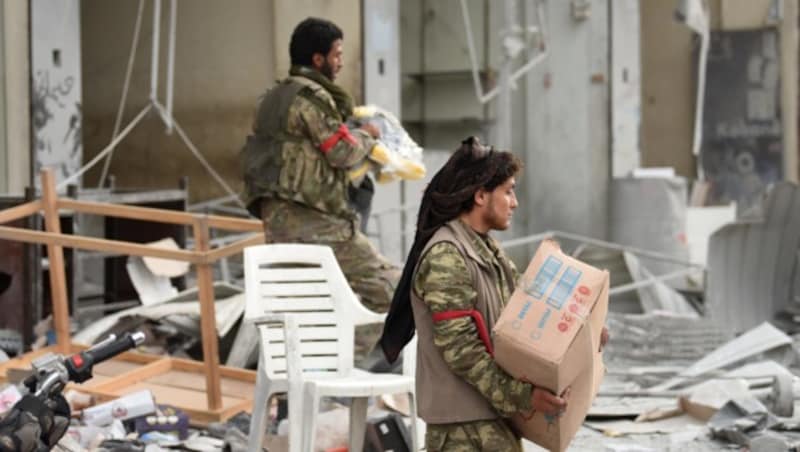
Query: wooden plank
(225, 371)
(55, 256)
(235, 224)
(190, 400)
(196, 381)
(113, 368)
(91, 243)
(234, 248)
(21, 211)
(238, 388)
(208, 317)
(132, 212)
(137, 357)
(153, 369)
(160, 215)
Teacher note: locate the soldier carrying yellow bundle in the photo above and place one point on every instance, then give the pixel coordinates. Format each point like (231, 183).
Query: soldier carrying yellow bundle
(297, 166)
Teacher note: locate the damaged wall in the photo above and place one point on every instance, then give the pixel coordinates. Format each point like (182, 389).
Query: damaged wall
(669, 73)
(56, 87)
(226, 55)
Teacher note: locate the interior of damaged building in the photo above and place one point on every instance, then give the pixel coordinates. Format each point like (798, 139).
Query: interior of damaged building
(657, 200)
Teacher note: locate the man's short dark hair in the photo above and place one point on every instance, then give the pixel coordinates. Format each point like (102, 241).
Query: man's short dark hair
(311, 36)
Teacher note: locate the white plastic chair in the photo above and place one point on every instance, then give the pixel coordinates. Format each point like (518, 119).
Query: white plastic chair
(306, 312)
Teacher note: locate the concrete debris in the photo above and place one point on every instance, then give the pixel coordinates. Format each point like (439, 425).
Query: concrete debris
(770, 442)
(707, 398)
(119, 436)
(150, 288)
(671, 425)
(758, 340)
(181, 311)
(244, 351)
(657, 296)
(661, 337)
(740, 419)
(166, 267)
(739, 392)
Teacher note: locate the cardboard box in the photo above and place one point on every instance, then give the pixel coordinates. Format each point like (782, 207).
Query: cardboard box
(549, 334)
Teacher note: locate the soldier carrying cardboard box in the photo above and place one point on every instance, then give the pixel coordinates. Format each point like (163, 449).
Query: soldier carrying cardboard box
(455, 284)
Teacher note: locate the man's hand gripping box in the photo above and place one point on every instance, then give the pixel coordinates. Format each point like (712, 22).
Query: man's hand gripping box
(549, 334)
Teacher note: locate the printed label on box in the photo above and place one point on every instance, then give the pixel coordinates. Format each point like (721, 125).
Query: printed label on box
(564, 287)
(544, 277)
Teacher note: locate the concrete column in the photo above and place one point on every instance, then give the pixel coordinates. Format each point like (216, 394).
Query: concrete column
(16, 111)
(567, 153)
(789, 62)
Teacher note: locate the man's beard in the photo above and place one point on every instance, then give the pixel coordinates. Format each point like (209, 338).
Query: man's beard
(327, 71)
(495, 220)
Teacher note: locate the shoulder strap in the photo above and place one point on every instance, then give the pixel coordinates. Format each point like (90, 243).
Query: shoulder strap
(273, 112)
(317, 94)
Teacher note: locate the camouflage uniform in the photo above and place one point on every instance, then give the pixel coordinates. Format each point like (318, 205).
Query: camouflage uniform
(296, 179)
(444, 283)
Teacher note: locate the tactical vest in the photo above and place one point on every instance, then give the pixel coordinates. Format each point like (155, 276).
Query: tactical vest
(281, 163)
(444, 397)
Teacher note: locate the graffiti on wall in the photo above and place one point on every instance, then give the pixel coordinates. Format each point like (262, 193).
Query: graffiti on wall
(56, 122)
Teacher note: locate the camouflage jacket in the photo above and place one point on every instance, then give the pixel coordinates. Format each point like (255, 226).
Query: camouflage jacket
(300, 149)
(444, 283)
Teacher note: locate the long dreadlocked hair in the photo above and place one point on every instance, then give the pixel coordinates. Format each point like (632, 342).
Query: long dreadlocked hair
(450, 193)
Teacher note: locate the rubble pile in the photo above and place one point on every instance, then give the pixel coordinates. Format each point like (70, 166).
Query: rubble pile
(678, 379)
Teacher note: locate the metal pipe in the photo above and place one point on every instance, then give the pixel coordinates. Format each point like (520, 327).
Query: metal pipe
(600, 243)
(156, 45)
(173, 10)
(473, 58)
(649, 281)
(516, 75)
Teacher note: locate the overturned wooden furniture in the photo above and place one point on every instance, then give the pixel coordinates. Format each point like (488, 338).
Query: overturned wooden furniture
(202, 256)
(172, 381)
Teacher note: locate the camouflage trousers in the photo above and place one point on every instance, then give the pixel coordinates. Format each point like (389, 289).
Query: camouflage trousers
(371, 276)
(478, 436)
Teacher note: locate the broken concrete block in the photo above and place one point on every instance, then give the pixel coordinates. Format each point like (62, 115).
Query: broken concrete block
(739, 420)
